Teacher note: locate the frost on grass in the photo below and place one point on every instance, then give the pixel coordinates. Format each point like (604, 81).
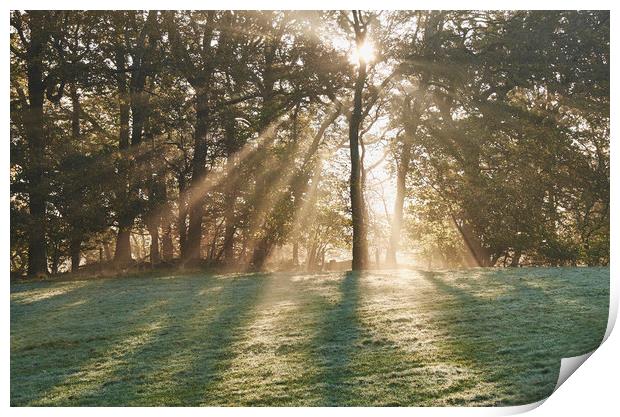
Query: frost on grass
(475, 337)
(29, 296)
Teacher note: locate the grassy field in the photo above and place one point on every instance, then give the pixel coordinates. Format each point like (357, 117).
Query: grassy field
(477, 337)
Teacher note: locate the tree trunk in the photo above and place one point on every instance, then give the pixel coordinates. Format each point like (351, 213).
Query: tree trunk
(139, 103)
(229, 234)
(273, 231)
(261, 253)
(167, 249)
(76, 242)
(131, 99)
(182, 214)
(410, 120)
(260, 241)
(410, 115)
(261, 249)
(296, 253)
(196, 209)
(122, 252)
(35, 171)
(75, 248)
(230, 195)
(75, 113)
(106, 251)
(479, 253)
(399, 202)
(310, 262)
(516, 258)
(138, 98)
(194, 233)
(55, 262)
(123, 101)
(360, 232)
(244, 248)
(154, 250)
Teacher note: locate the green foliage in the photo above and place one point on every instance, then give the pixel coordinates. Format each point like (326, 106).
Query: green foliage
(506, 141)
(152, 122)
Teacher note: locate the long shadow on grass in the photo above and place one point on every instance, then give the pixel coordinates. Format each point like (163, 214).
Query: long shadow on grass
(576, 308)
(48, 298)
(571, 303)
(191, 353)
(338, 332)
(122, 364)
(58, 340)
(513, 339)
(361, 367)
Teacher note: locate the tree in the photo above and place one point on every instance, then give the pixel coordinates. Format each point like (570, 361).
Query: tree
(358, 209)
(221, 138)
(30, 42)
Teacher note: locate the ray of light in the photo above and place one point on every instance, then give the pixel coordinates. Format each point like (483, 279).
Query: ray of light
(250, 153)
(265, 207)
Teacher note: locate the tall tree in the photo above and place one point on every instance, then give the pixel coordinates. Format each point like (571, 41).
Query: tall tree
(134, 43)
(358, 208)
(30, 41)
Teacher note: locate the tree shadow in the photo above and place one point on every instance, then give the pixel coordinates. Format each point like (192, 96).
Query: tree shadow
(339, 330)
(370, 366)
(192, 351)
(357, 364)
(73, 358)
(53, 338)
(515, 338)
(173, 342)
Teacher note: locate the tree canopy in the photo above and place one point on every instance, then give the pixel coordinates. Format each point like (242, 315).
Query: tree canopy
(287, 139)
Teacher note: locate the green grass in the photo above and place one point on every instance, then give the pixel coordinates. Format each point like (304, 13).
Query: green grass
(476, 337)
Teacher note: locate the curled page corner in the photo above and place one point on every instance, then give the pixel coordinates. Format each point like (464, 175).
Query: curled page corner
(568, 366)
